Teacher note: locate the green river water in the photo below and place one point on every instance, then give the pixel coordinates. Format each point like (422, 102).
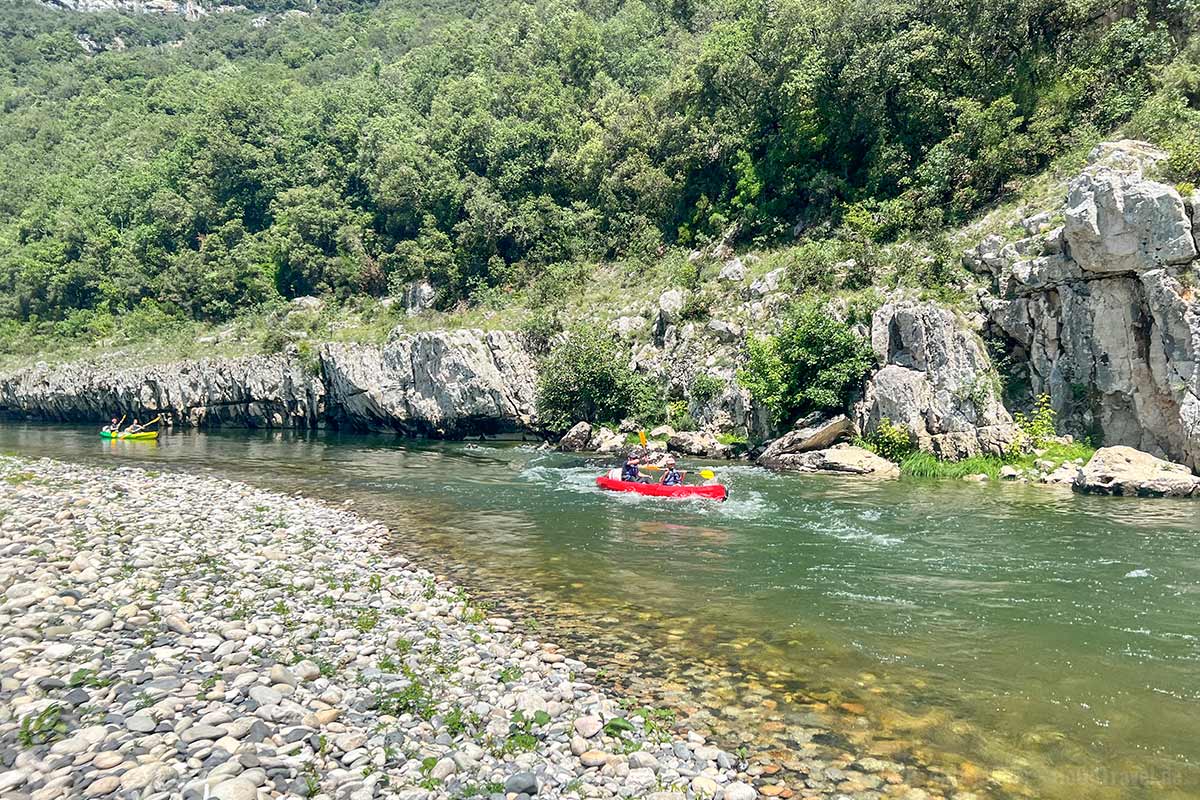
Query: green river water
(1024, 641)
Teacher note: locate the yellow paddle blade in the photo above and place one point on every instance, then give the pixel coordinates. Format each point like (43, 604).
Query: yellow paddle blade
(707, 474)
(649, 467)
(642, 437)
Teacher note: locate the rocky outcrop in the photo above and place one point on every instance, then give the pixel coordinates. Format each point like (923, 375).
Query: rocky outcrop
(935, 379)
(844, 459)
(1125, 471)
(189, 9)
(1099, 312)
(257, 391)
(447, 383)
(814, 432)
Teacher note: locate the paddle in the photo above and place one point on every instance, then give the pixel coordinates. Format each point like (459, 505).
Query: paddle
(148, 424)
(642, 437)
(707, 474)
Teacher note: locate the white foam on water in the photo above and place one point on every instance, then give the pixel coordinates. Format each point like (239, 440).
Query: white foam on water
(874, 598)
(1138, 573)
(582, 480)
(845, 531)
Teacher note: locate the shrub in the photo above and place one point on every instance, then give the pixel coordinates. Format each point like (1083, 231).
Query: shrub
(539, 329)
(679, 418)
(764, 375)
(893, 442)
(587, 377)
(1038, 427)
(696, 306)
(814, 364)
(705, 388)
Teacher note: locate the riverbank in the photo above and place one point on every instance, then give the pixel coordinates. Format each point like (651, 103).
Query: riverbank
(168, 632)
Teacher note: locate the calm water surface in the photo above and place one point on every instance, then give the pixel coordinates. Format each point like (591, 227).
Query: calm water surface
(1026, 642)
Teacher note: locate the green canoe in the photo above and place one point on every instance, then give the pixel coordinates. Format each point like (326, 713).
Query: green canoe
(142, 435)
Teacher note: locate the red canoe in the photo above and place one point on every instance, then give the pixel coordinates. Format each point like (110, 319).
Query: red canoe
(714, 492)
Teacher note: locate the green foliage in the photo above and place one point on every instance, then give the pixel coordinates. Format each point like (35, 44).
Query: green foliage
(412, 699)
(1038, 427)
(43, 727)
(927, 465)
(815, 363)
(891, 441)
(587, 377)
(705, 388)
(539, 330)
(521, 736)
(504, 147)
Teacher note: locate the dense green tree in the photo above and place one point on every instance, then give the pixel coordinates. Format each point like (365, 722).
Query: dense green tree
(212, 165)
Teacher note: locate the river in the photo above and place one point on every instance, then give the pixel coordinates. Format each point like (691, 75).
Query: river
(1025, 641)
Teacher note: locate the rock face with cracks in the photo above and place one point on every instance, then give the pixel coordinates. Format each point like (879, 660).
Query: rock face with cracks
(935, 379)
(447, 383)
(1098, 313)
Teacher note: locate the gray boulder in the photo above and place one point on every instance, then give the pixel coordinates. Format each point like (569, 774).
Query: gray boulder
(733, 271)
(605, 440)
(1125, 471)
(698, 443)
(768, 283)
(814, 432)
(842, 459)
(576, 439)
(418, 296)
(936, 380)
(1117, 222)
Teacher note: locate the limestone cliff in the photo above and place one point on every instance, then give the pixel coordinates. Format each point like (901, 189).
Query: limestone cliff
(446, 383)
(1099, 312)
(257, 391)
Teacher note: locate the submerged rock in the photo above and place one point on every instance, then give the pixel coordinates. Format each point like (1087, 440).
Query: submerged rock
(1124, 471)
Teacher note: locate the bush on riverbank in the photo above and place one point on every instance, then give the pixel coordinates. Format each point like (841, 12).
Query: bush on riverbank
(587, 377)
(814, 364)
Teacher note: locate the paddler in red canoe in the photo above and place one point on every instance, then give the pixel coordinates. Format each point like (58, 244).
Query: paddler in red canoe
(672, 476)
(632, 470)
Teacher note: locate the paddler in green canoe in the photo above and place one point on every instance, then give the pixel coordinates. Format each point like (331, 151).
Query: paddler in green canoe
(134, 427)
(112, 427)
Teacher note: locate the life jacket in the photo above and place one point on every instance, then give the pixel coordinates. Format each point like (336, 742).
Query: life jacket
(673, 478)
(630, 472)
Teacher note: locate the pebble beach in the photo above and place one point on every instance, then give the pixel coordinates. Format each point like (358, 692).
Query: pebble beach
(171, 635)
